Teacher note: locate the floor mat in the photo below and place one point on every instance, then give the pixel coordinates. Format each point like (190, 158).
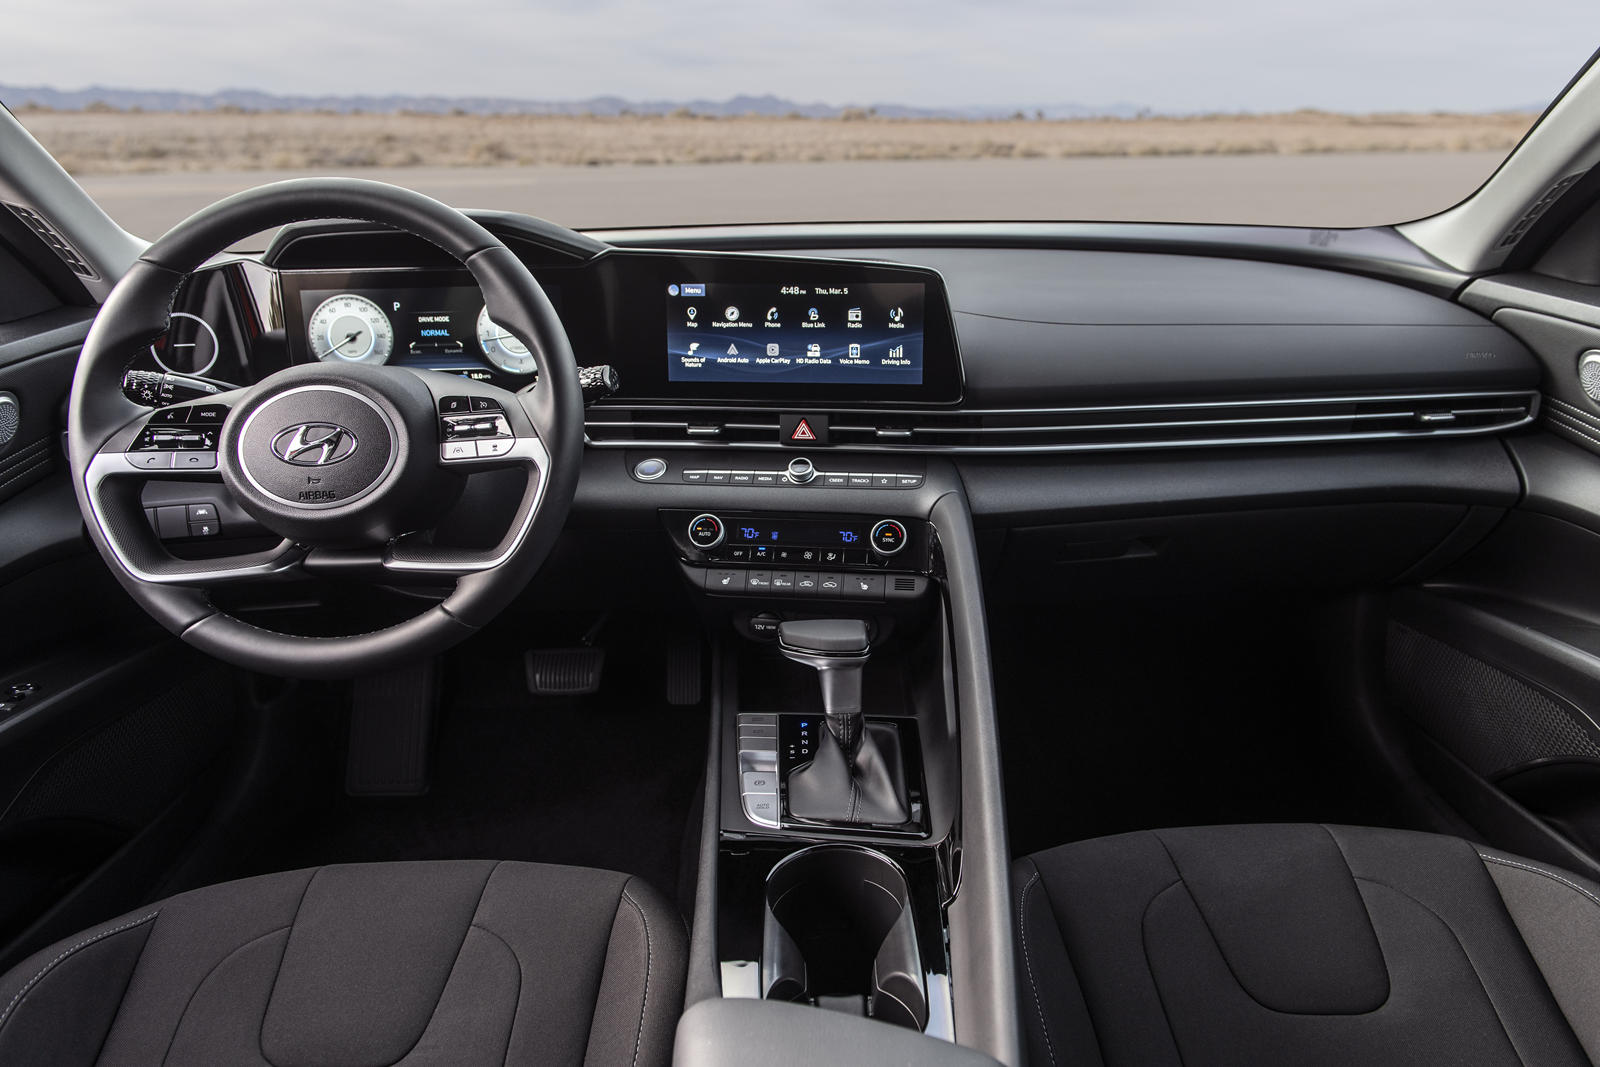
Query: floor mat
(607, 780)
(1152, 713)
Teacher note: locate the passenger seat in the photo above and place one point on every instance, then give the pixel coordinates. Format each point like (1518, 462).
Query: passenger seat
(1308, 945)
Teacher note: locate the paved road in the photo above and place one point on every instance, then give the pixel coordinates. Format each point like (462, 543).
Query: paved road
(1315, 190)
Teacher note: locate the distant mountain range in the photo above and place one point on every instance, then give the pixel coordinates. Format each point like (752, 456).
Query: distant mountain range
(255, 100)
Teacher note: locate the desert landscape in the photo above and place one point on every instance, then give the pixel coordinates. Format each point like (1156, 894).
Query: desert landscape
(149, 169)
(105, 141)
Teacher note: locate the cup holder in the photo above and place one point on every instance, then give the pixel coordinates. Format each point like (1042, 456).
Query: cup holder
(838, 932)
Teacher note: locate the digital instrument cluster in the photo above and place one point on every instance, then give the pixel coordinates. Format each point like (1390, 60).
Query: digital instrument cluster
(403, 320)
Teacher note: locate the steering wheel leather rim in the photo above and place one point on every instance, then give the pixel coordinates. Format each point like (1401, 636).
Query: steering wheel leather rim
(138, 310)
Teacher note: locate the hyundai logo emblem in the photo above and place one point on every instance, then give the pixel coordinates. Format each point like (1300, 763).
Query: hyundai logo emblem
(314, 444)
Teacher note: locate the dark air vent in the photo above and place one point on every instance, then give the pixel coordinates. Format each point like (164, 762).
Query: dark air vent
(1531, 216)
(58, 244)
(1083, 429)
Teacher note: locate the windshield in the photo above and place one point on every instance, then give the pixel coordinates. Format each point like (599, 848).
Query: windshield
(633, 113)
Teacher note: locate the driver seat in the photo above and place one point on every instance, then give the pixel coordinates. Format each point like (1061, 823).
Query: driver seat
(458, 962)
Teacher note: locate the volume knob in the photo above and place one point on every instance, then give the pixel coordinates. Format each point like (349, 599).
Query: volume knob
(801, 471)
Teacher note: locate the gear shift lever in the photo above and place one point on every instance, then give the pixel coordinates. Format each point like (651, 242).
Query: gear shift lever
(838, 650)
(859, 779)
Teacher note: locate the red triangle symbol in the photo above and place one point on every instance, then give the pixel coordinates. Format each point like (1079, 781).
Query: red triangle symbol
(803, 432)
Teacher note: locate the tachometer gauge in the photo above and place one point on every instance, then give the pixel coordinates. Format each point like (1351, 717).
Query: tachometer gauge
(350, 328)
(502, 348)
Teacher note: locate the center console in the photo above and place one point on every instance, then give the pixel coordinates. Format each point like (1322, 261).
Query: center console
(839, 865)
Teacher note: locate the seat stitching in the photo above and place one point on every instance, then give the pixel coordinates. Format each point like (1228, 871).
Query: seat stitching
(5, 1016)
(1461, 946)
(202, 983)
(1487, 858)
(644, 1005)
(471, 922)
(516, 1009)
(1027, 962)
(272, 987)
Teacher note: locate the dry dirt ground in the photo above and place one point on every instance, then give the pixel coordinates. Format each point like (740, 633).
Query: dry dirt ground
(111, 142)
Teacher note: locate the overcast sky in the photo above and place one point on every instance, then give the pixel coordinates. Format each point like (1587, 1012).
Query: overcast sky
(1172, 55)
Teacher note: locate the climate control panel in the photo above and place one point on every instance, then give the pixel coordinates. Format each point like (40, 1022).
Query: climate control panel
(802, 556)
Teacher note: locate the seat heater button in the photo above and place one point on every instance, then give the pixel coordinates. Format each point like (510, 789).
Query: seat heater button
(753, 783)
(458, 450)
(724, 580)
(150, 461)
(863, 587)
(498, 447)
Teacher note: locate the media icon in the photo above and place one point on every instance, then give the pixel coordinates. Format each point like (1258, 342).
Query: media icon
(853, 315)
(772, 350)
(855, 351)
(772, 314)
(813, 314)
(730, 313)
(897, 314)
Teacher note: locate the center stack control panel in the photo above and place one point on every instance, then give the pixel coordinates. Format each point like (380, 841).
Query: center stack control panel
(859, 557)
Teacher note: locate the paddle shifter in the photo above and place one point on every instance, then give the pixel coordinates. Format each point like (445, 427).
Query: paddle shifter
(860, 779)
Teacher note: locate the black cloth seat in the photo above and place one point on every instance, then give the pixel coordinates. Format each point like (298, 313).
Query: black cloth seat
(1305, 945)
(364, 965)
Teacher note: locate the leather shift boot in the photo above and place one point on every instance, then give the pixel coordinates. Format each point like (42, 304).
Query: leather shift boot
(873, 791)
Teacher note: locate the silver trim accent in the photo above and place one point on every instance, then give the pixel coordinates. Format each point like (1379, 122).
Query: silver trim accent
(905, 538)
(722, 530)
(1522, 409)
(112, 465)
(529, 452)
(388, 468)
(216, 346)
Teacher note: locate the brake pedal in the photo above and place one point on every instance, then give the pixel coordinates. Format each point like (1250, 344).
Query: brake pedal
(564, 672)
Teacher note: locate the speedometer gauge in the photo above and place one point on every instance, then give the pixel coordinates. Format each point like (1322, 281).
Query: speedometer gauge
(502, 348)
(350, 328)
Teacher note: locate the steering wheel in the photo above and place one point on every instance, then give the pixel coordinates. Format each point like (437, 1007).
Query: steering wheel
(351, 465)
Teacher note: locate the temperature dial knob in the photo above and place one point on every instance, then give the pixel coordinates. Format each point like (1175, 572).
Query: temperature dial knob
(888, 537)
(705, 531)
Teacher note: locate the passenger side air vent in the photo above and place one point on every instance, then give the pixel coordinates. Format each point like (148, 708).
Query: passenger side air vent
(1102, 428)
(58, 244)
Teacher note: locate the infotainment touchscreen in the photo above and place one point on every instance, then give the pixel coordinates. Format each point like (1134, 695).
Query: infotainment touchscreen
(796, 333)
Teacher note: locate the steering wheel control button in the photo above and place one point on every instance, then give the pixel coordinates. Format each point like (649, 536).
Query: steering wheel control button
(202, 513)
(648, 470)
(483, 403)
(801, 470)
(170, 417)
(194, 461)
(888, 537)
(150, 461)
(454, 405)
(497, 447)
(458, 450)
(207, 414)
(706, 531)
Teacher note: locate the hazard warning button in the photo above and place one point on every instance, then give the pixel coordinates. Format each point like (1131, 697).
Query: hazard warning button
(799, 431)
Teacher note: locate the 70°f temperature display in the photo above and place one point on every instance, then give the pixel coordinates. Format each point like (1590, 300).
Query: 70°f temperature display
(847, 535)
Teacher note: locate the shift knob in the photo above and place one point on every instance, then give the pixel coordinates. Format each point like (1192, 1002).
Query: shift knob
(837, 649)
